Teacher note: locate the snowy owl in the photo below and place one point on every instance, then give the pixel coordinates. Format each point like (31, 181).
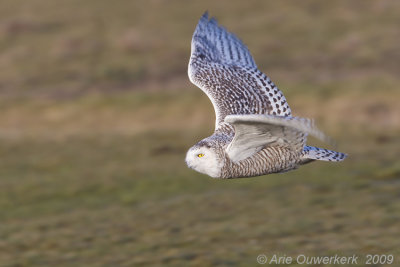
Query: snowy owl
(255, 132)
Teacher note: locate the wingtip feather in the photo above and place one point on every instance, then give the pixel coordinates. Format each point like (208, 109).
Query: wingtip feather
(205, 15)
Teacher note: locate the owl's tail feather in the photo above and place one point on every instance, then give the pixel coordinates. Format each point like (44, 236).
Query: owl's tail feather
(311, 153)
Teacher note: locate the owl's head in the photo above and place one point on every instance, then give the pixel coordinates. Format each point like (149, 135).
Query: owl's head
(205, 159)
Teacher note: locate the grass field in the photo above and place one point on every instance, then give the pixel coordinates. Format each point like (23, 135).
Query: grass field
(97, 113)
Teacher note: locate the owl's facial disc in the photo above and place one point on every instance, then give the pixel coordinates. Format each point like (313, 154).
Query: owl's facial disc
(204, 160)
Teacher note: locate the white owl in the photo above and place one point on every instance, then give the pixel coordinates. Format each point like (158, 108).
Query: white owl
(255, 133)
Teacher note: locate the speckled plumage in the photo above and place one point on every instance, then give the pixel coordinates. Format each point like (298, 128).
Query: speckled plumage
(255, 132)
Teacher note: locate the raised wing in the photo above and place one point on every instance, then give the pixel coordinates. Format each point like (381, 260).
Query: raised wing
(254, 132)
(219, 45)
(222, 66)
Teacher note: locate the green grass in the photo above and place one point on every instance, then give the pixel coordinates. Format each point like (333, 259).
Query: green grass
(130, 200)
(97, 113)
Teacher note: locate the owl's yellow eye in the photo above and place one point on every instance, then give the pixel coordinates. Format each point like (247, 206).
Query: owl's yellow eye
(200, 155)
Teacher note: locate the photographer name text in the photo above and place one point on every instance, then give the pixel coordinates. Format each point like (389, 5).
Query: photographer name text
(369, 259)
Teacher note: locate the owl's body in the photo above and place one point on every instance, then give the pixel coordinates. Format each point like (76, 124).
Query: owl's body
(255, 133)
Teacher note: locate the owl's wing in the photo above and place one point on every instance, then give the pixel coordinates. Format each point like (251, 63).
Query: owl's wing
(254, 132)
(222, 66)
(224, 46)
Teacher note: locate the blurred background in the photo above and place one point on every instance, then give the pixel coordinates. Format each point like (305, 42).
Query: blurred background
(97, 113)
